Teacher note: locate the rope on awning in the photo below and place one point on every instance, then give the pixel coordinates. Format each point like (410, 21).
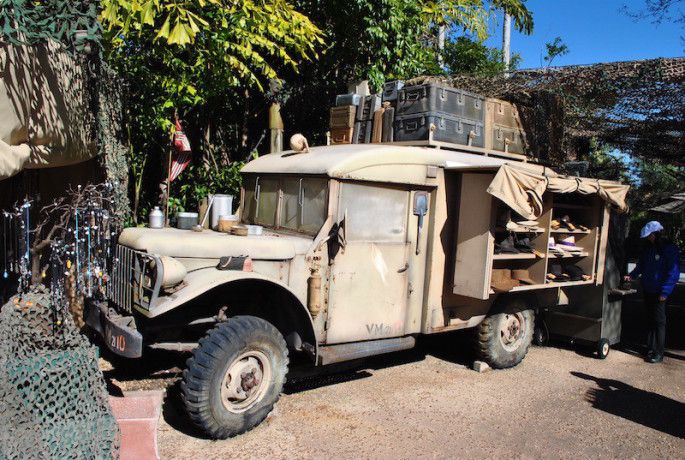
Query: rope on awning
(522, 188)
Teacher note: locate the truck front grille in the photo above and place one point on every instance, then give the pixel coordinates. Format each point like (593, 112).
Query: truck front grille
(136, 279)
(122, 278)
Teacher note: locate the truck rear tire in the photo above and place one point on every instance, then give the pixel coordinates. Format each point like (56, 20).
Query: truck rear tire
(235, 376)
(503, 339)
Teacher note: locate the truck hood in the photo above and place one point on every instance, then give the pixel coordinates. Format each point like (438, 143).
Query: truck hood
(209, 244)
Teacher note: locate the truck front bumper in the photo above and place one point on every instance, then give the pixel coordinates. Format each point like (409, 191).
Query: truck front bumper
(118, 332)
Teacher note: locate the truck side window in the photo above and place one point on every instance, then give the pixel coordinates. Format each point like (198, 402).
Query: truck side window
(268, 201)
(304, 204)
(250, 198)
(374, 213)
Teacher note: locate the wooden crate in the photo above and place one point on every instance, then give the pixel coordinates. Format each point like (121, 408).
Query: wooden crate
(341, 135)
(343, 117)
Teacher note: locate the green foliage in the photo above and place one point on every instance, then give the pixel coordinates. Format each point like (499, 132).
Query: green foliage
(397, 39)
(554, 49)
(467, 56)
(652, 183)
(199, 182)
(211, 60)
(200, 59)
(239, 40)
(606, 164)
(379, 40)
(656, 182)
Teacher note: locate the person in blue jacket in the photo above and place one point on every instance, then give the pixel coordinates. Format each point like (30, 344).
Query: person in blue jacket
(659, 270)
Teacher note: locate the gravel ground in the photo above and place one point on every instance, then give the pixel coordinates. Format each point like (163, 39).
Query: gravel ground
(557, 403)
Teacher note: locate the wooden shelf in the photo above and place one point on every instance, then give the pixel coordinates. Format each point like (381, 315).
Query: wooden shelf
(552, 285)
(530, 287)
(523, 255)
(581, 232)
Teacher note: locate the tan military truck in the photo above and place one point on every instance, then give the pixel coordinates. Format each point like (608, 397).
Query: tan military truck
(364, 248)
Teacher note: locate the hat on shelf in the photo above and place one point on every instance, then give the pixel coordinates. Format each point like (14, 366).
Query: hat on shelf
(516, 223)
(556, 273)
(529, 225)
(568, 242)
(554, 248)
(565, 221)
(525, 245)
(501, 280)
(506, 246)
(574, 272)
(522, 276)
(514, 227)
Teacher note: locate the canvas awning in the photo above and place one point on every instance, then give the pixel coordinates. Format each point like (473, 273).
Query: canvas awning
(521, 187)
(45, 115)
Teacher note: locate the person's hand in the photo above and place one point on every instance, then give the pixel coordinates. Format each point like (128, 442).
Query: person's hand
(662, 298)
(627, 278)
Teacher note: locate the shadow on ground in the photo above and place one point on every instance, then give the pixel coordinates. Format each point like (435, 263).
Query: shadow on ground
(164, 371)
(644, 407)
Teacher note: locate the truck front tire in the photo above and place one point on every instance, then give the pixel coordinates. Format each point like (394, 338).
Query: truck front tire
(503, 339)
(235, 376)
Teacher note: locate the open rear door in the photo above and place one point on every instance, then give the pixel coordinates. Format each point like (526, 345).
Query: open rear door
(474, 239)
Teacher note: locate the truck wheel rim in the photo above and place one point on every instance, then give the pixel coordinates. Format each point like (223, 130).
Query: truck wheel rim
(512, 331)
(246, 381)
(605, 349)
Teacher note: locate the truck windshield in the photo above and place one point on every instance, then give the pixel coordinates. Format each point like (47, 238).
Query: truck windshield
(293, 203)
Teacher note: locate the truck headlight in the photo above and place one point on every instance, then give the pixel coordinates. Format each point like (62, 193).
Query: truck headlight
(173, 271)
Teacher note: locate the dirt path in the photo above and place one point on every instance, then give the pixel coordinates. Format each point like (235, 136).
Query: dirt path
(557, 403)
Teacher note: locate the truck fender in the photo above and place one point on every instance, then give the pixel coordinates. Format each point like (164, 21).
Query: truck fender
(201, 281)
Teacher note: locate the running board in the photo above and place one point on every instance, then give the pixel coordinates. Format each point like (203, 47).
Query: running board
(349, 351)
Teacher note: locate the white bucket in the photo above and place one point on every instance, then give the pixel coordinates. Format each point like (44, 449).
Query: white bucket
(222, 206)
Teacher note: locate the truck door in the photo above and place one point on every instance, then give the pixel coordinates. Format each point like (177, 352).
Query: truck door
(369, 278)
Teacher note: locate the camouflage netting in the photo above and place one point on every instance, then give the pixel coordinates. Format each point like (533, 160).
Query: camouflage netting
(53, 400)
(637, 107)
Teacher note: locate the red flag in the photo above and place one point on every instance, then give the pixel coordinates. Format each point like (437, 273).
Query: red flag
(181, 155)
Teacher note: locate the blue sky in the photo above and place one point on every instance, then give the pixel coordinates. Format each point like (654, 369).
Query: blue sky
(594, 30)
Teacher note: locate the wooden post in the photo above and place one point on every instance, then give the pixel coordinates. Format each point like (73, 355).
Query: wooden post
(168, 190)
(276, 128)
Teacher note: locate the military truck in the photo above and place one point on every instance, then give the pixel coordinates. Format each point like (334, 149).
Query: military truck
(364, 248)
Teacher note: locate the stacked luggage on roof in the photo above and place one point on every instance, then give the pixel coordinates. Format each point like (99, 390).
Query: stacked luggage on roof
(430, 111)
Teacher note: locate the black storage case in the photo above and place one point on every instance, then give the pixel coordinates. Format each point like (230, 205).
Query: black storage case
(457, 130)
(432, 97)
(362, 132)
(390, 90)
(368, 106)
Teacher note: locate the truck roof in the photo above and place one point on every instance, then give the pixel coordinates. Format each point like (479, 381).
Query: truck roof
(360, 161)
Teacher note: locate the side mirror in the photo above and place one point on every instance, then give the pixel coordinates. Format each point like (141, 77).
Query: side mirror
(420, 210)
(342, 232)
(337, 239)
